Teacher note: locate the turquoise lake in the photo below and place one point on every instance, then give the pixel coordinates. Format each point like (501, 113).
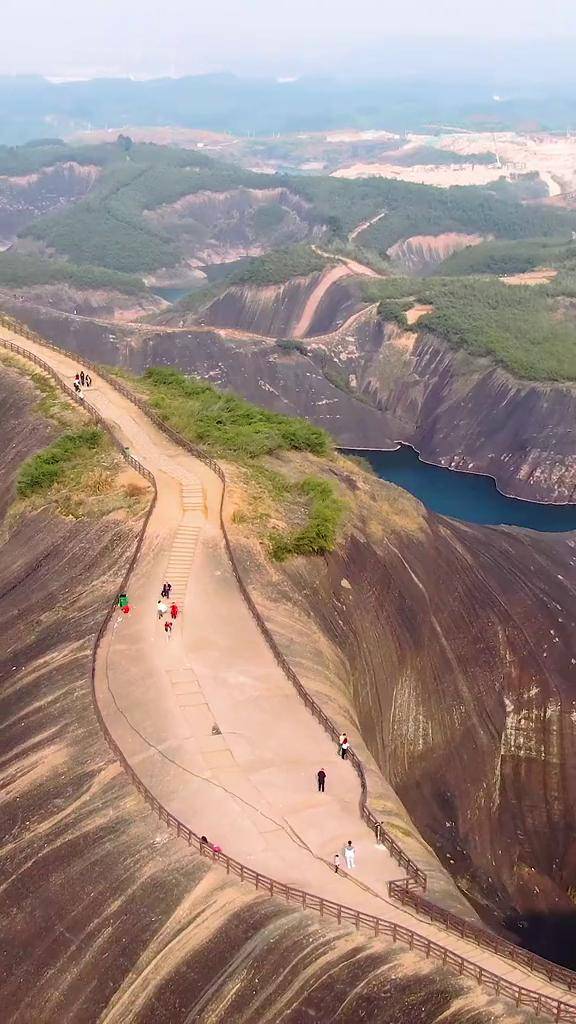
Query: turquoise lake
(466, 496)
(173, 294)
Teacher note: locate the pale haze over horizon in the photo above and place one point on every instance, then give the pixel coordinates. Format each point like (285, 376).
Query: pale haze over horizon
(122, 37)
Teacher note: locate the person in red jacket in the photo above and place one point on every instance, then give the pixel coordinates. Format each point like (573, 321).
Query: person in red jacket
(174, 610)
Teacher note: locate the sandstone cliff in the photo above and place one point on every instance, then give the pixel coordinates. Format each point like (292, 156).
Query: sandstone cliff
(462, 411)
(391, 385)
(24, 198)
(421, 253)
(216, 227)
(273, 310)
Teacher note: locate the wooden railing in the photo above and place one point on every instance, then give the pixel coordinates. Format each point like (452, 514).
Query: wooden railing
(404, 890)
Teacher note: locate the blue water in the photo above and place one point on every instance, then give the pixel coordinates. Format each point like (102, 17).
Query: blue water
(466, 496)
(173, 294)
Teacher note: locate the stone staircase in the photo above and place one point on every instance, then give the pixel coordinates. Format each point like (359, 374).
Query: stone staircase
(185, 541)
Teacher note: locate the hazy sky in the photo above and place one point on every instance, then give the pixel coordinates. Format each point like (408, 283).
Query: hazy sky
(68, 37)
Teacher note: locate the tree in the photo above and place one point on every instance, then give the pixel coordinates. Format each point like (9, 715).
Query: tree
(125, 143)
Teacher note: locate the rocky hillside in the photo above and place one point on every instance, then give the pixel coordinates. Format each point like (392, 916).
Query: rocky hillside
(461, 411)
(368, 382)
(110, 916)
(450, 650)
(421, 253)
(25, 197)
(106, 303)
(300, 307)
(216, 227)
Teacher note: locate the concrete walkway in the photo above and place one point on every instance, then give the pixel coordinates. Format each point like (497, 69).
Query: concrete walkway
(208, 720)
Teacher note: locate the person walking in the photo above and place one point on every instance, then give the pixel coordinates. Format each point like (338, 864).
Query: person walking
(161, 608)
(344, 747)
(321, 780)
(167, 587)
(82, 377)
(350, 855)
(88, 380)
(336, 863)
(174, 610)
(168, 629)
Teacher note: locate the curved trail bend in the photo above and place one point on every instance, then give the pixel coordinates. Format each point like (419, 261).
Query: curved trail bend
(208, 720)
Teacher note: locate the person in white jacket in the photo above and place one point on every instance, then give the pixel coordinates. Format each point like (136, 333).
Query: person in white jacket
(350, 855)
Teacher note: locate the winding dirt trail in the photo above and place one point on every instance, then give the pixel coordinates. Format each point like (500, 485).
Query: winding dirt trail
(344, 268)
(365, 225)
(208, 720)
(326, 281)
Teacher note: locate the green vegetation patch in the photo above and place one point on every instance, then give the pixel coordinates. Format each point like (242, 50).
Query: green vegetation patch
(21, 271)
(422, 209)
(275, 267)
(224, 424)
(91, 233)
(434, 155)
(368, 257)
(510, 257)
(320, 533)
(201, 297)
(280, 266)
(521, 327)
(269, 217)
(52, 465)
(520, 188)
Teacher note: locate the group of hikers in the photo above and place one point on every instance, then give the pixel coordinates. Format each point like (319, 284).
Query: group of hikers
(162, 608)
(82, 380)
(349, 850)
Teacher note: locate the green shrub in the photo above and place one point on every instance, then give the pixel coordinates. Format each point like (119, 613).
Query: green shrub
(393, 311)
(320, 533)
(292, 345)
(49, 467)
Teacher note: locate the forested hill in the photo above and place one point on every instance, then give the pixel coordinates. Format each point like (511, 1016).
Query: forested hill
(110, 226)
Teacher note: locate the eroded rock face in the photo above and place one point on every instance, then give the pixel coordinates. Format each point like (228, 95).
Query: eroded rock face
(22, 199)
(216, 227)
(90, 302)
(420, 253)
(465, 413)
(392, 385)
(106, 915)
(272, 310)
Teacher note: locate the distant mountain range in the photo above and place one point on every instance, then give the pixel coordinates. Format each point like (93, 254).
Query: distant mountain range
(34, 107)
